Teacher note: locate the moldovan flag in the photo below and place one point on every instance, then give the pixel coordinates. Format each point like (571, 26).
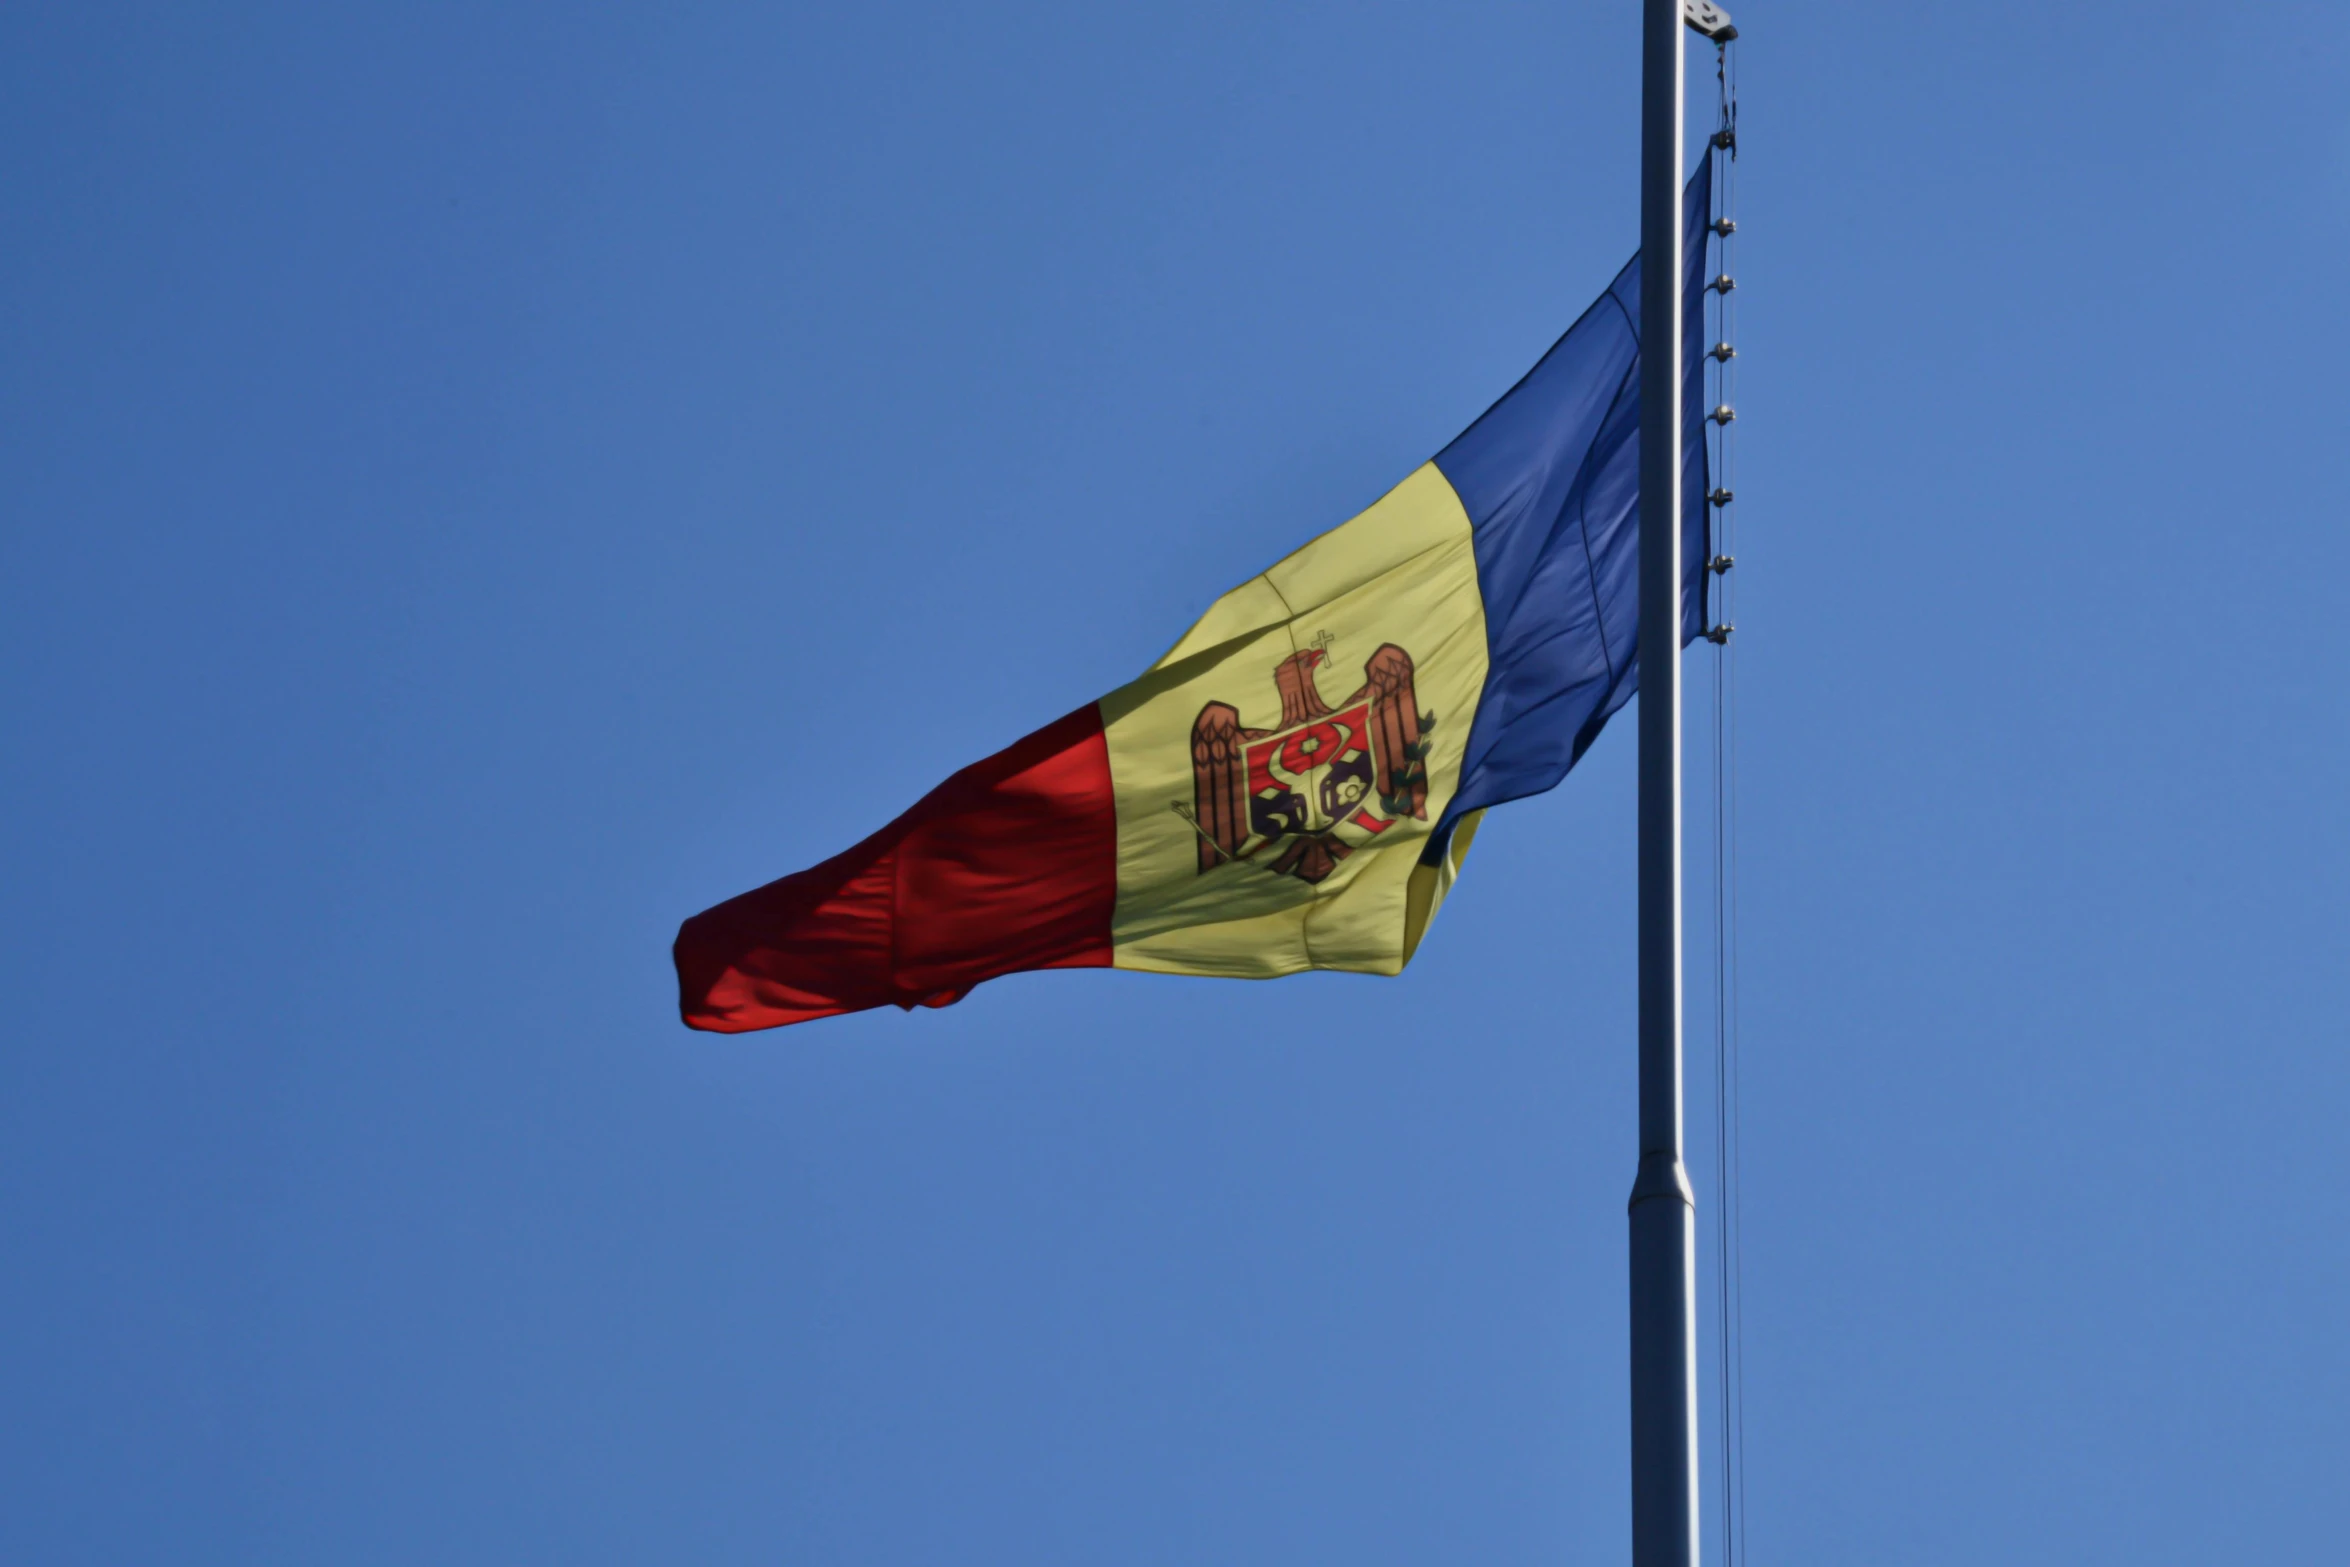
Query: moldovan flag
(1295, 785)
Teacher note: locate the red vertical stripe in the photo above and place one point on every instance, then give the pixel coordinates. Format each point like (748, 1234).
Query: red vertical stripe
(1010, 864)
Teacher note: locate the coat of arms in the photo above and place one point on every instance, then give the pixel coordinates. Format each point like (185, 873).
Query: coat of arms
(1298, 798)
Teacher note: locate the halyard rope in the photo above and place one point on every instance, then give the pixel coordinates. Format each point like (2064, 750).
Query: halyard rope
(1729, 1231)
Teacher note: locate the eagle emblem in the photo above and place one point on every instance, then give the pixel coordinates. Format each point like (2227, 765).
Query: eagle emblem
(1298, 798)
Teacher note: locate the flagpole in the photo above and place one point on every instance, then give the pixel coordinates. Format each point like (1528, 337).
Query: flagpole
(1663, 1210)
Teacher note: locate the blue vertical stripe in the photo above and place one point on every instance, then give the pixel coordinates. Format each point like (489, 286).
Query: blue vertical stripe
(1549, 476)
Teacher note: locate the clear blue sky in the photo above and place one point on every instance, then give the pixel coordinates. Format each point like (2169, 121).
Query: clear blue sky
(480, 484)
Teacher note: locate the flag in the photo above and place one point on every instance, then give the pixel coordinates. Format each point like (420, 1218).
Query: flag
(1296, 783)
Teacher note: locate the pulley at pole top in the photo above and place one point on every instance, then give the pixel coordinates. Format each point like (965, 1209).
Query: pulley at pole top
(1710, 19)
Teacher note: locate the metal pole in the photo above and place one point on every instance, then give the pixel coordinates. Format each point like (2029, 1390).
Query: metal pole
(1663, 1211)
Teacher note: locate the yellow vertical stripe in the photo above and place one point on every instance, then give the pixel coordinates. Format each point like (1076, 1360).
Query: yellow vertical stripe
(1401, 575)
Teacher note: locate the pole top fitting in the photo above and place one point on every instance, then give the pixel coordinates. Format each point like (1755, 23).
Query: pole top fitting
(1705, 17)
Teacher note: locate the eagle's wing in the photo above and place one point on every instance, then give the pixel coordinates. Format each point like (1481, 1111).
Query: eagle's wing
(1395, 733)
(1219, 776)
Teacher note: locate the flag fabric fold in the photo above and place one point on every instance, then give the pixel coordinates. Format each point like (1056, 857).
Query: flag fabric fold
(1295, 784)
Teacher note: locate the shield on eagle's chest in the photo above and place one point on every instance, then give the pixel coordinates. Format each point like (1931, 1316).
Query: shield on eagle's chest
(1310, 778)
(1324, 783)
